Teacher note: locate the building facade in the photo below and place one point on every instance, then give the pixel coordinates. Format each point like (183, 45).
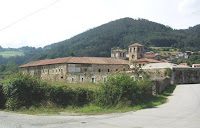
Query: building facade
(75, 69)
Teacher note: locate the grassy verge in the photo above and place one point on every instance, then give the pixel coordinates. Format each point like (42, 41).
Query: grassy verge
(96, 110)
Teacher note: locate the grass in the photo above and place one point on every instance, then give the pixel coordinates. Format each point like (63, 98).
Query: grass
(7, 54)
(96, 110)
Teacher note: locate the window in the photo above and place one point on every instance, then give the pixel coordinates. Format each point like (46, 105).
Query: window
(61, 70)
(72, 79)
(52, 71)
(140, 65)
(61, 77)
(120, 54)
(130, 49)
(82, 79)
(140, 77)
(116, 69)
(93, 80)
(85, 69)
(99, 70)
(108, 70)
(56, 71)
(48, 71)
(132, 56)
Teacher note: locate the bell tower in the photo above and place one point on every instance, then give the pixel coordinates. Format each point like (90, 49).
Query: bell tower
(135, 52)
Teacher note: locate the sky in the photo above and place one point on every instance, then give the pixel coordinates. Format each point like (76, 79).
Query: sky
(38, 23)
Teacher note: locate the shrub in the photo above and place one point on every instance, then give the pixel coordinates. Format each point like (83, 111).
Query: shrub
(26, 91)
(23, 90)
(123, 89)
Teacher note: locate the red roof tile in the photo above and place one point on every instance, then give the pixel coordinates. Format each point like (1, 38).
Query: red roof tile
(77, 60)
(136, 44)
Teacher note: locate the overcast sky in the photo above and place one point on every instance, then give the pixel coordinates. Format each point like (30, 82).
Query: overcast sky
(41, 22)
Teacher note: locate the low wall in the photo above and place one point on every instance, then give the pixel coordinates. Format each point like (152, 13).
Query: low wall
(185, 75)
(161, 84)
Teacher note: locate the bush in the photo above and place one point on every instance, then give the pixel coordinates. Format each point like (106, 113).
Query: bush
(23, 90)
(26, 91)
(123, 89)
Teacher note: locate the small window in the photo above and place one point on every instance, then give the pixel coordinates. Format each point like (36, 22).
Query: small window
(120, 54)
(140, 77)
(116, 69)
(48, 71)
(82, 79)
(93, 80)
(85, 69)
(72, 79)
(108, 70)
(132, 56)
(52, 71)
(61, 77)
(61, 70)
(99, 70)
(140, 65)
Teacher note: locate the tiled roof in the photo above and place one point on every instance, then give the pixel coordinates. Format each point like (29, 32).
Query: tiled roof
(77, 60)
(136, 44)
(196, 64)
(148, 60)
(183, 64)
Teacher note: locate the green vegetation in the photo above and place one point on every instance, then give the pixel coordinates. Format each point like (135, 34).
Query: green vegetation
(26, 94)
(121, 33)
(8, 54)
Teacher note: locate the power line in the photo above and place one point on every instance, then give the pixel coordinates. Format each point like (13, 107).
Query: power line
(29, 15)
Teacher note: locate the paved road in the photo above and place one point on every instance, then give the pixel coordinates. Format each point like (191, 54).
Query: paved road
(182, 111)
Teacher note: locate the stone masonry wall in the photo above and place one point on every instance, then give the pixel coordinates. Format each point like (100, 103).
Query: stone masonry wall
(185, 75)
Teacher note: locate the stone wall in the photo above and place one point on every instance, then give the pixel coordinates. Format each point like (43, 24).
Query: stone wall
(185, 75)
(161, 84)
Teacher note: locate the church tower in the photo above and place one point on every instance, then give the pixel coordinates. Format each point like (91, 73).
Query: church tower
(135, 52)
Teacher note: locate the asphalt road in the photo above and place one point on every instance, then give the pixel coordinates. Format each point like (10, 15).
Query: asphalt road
(181, 111)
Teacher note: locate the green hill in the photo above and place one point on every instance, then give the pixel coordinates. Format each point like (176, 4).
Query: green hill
(121, 33)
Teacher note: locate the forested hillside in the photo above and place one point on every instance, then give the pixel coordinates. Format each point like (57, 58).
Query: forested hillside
(121, 33)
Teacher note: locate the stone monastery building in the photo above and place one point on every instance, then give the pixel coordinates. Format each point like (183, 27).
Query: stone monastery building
(88, 69)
